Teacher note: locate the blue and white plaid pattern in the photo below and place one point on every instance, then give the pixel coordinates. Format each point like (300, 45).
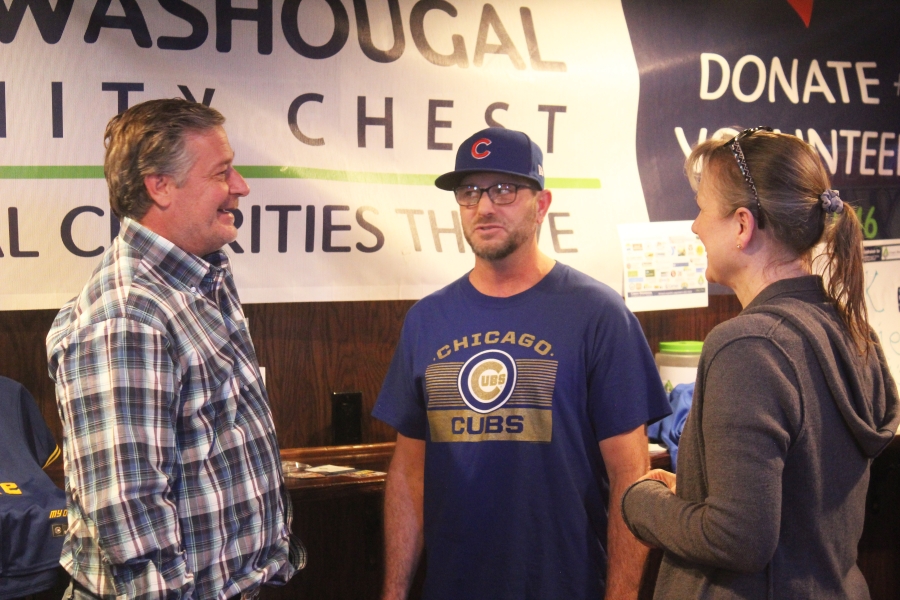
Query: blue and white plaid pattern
(173, 474)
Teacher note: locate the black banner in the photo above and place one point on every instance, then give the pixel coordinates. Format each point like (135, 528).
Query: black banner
(826, 69)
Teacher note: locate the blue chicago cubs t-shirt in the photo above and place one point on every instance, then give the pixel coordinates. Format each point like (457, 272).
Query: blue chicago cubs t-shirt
(33, 518)
(512, 396)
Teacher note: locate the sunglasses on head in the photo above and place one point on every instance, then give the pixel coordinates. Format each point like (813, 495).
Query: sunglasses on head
(735, 144)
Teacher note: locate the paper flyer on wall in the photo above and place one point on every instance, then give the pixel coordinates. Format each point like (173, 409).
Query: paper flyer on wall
(664, 266)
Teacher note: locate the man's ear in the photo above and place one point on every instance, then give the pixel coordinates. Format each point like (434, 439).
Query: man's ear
(159, 188)
(544, 198)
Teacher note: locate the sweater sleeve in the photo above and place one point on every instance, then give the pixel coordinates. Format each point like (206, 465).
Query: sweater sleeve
(749, 409)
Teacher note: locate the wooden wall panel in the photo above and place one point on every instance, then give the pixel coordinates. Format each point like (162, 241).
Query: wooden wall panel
(311, 350)
(23, 357)
(689, 323)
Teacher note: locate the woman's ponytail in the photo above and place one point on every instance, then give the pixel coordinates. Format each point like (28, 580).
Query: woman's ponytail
(843, 271)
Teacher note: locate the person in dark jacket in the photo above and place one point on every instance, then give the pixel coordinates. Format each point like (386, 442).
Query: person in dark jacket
(793, 396)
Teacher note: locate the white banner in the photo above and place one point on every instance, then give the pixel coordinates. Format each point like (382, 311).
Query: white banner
(340, 113)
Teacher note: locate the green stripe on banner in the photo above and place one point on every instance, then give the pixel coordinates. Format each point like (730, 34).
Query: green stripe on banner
(252, 172)
(264, 172)
(584, 183)
(48, 172)
(261, 172)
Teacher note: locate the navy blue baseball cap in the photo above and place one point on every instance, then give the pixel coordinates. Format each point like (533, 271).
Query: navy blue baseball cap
(496, 150)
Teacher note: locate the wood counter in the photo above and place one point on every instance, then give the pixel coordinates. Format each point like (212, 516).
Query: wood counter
(374, 457)
(339, 519)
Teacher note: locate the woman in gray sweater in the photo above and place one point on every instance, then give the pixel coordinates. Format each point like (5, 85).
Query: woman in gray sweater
(793, 398)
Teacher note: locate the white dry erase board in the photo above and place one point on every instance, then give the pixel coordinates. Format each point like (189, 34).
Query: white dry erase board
(882, 269)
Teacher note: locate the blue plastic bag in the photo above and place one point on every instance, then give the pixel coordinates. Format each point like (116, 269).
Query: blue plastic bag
(667, 431)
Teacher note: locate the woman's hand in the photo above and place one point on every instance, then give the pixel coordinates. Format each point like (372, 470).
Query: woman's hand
(661, 475)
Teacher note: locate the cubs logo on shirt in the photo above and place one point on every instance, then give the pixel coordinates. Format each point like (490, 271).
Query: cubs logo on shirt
(491, 397)
(487, 380)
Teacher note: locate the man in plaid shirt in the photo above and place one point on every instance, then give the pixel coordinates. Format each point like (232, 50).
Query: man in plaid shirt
(173, 475)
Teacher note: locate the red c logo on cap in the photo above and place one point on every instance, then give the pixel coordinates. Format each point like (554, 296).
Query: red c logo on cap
(483, 154)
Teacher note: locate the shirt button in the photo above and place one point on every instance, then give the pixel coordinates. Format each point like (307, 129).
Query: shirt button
(193, 289)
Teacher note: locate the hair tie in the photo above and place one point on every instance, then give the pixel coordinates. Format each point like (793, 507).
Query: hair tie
(831, 202)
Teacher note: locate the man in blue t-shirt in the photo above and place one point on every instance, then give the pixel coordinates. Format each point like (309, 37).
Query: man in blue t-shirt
(520, 394)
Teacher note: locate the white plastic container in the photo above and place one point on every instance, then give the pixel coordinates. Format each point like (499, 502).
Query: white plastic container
(677, 362)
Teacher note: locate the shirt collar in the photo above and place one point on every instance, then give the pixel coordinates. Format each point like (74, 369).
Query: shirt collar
(187, 268)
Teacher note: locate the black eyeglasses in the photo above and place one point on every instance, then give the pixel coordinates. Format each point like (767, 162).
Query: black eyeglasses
(742, 165)
(500, 193)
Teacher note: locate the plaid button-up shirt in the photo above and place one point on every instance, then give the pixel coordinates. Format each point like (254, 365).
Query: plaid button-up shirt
(173, 475)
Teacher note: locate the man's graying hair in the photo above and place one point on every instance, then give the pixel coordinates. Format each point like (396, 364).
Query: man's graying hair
(149, 139)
